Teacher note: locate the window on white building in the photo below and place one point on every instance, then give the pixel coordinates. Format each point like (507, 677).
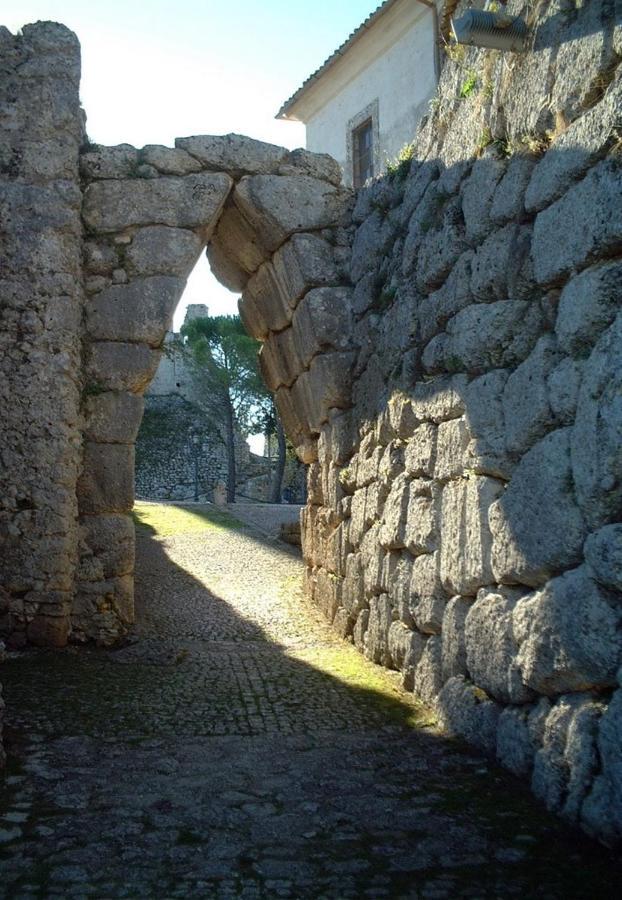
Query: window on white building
(363, 153)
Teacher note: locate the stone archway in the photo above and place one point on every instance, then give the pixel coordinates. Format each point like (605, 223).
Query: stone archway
(270, 220)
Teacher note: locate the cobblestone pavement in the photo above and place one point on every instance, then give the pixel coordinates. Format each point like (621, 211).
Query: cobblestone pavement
(237, 748)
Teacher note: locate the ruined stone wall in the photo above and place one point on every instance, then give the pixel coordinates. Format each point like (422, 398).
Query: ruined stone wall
(465, 515)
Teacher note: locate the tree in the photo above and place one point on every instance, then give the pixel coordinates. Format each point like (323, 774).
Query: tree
(224, 359)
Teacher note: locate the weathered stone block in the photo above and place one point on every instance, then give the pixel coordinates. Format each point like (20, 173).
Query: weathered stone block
(597, 432)
(520, 734)
(371, 242)
(594, 206)
(421, 526)
(439, 399)
(465, 711)
(451, 446)
(501, 266)
(113, 418)
(434, 311)
(141, 311)
(491, 646)
(159, 250)
(277, 206)
(428, 678)
(190, 202)
(477, 197)
(570, 156)
(393, 530)
(233, 153)
(466, 541)
(527, 411)
(117, 366)
(563, 386)
(304, 262)
(485, 336)
(109, 162)
(169, 160)
(569, 635)
(536, 525)
(111, 540)
(377, 637)
(322, 322)
(603, 554)
(508, 203)
(601, 814)
(588, 304)
(486, 454)
(318, 165)
(440, 249)
(107, 480)
(265, 293)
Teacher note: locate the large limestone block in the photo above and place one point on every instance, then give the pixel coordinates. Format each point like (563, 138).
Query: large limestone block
(304, 262)
(441, 249)
(372, 559)
(491, 646)
(372, 241)
(277, 206)
(536, 525)
(597, 432)
(393, 530)
(579, 147)
(319, 165)
(603, 554)
(453, 439)
(585, 56)
(601, 814)
(465, 711)
(485, 336)
(107, 480)
(588, 304)
(252, 318)
(428, 677)
(295, 427)
(477, 197)
(113, 417)
(563, 386)
(111, 540)
(567, 761)
(323, 321)
(466, 540)
(486, 454)
(118, 366)
(405, 650)
(569, 635)
(194, 201)
(527, 410)
(520, 734)
(377, 637)
(420, 453)
(109, 162)
(236, 250)
(325, 386)
(594, 207)
(159, 250)
(279, 360)
(508, 203)
(421, 534)
(439, 399)
(501, 267)
(265, 292)
(235, 154)
(435, 310)
(141, 311)
(169, 160)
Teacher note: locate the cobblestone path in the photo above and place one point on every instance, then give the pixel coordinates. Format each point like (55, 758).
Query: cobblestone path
(237, 748)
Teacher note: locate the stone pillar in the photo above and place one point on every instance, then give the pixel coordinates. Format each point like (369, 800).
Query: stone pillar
(40, 320)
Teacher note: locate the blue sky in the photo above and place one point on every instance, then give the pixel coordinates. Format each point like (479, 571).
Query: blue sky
(156, 70)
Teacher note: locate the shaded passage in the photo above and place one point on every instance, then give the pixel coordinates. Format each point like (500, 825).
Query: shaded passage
(235, 747)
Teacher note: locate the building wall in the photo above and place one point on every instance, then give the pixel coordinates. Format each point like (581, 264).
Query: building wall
(400, 80)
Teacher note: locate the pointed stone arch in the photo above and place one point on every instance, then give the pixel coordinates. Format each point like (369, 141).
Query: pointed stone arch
(271, 222)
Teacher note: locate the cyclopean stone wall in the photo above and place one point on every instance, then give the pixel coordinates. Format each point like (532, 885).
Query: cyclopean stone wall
(464, 523)
(445, 356)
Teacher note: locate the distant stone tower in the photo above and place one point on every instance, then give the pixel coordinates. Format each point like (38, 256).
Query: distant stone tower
(173, 375)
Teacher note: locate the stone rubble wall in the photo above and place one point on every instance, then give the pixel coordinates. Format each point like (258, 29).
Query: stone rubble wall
(464, 523)
(165, 467)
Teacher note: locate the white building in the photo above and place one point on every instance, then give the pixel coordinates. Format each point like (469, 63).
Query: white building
(363, 104)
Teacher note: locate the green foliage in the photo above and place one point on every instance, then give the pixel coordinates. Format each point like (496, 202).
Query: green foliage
(469, 84)
(400, 166)
(225, 365)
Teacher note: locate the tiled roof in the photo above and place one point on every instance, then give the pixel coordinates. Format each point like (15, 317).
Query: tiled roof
(356, 34)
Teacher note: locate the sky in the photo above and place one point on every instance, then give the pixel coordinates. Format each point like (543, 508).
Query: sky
(154, 70)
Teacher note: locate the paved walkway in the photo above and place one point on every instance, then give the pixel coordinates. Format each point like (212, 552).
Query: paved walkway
(237, 748)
